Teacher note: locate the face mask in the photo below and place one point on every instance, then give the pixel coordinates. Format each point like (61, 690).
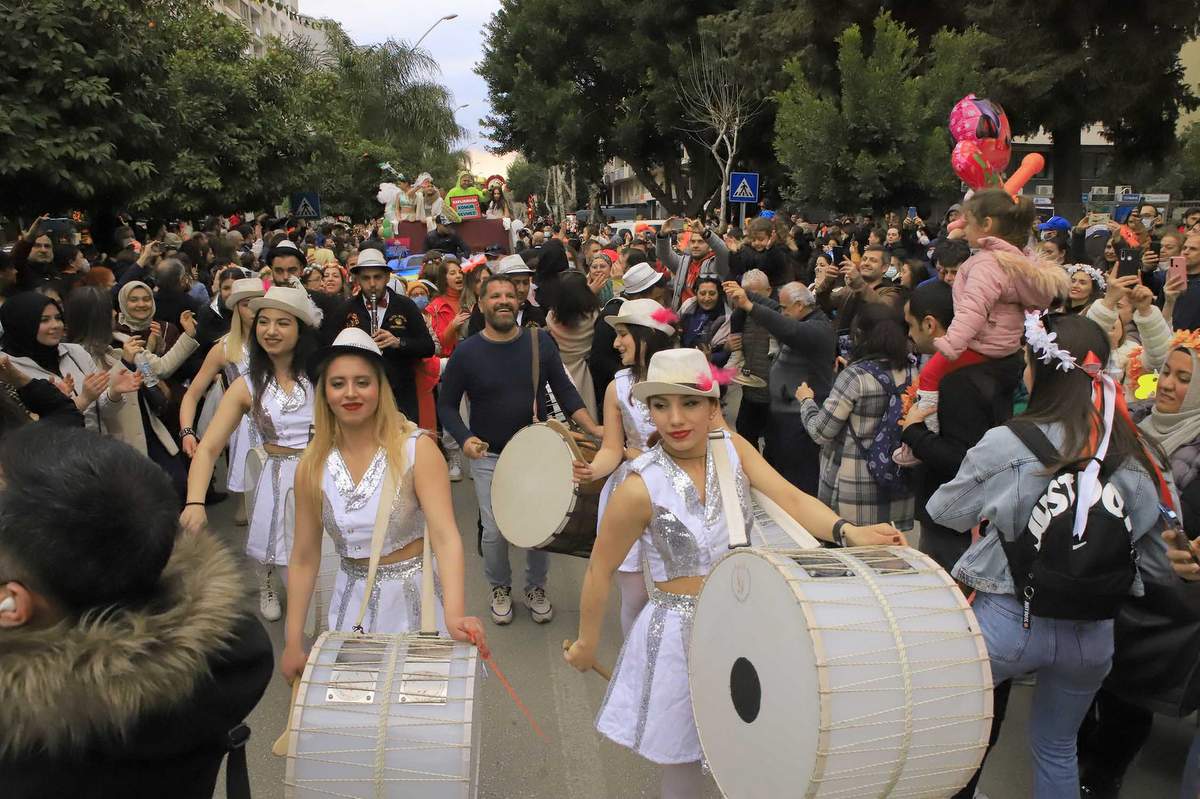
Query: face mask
(891, 273)
(421, 300)
(1148, 221)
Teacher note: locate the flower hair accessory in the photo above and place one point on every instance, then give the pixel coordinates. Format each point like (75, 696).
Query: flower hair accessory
(1043, 343)
(1095, 274)
(716, 374)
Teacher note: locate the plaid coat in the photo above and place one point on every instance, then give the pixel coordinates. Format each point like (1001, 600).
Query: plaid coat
(850, 415)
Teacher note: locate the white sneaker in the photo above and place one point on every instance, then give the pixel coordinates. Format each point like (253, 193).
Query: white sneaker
(268, 602)
(502, 611)
(456, 472)
(539, 605)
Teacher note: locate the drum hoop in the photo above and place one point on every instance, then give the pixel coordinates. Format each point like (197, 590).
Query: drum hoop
(297, 714)
(989, 707)
(572, 505)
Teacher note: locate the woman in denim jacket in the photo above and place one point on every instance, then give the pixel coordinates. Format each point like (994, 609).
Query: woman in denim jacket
(1001, 481)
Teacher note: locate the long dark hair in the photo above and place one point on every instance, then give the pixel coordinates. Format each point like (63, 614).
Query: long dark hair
(88, 317)
(879, 334)
(573, 301)
(1066, 397)
(646, 342)
(262, 370)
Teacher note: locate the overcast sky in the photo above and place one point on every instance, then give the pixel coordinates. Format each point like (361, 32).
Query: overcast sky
(455, 43)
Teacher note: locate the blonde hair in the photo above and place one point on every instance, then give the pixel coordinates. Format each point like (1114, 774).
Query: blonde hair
(235, 341)
(392, 429)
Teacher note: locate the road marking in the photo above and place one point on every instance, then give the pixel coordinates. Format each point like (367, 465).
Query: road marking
(578, 740)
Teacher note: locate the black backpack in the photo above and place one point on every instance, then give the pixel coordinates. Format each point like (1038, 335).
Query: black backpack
(1056, 576)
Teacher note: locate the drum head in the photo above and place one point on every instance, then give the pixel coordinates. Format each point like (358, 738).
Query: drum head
(754, 680)
(532, 489)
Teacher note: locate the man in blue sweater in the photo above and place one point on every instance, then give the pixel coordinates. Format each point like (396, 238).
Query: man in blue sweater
(495, 371)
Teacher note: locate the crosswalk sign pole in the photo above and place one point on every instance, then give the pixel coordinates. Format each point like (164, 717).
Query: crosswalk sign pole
(742, 217)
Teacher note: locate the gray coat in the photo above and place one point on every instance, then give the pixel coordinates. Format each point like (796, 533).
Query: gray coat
(1001, 481)
(807, 350)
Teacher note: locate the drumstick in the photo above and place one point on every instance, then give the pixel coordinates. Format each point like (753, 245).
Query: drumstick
(280, 747)
(596, 667)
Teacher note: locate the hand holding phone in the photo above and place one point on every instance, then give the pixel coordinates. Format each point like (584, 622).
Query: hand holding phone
(1177, 269)
(1129, 262)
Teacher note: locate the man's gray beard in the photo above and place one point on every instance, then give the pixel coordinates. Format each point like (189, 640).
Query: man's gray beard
(502, 324)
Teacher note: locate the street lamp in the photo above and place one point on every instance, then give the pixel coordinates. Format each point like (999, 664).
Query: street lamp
(431, 27)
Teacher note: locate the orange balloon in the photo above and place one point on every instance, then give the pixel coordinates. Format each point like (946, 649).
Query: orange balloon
(1030, 166)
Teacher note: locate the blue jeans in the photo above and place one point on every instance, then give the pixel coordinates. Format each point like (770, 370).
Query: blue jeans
(495, 547)
(1071, 659)
(1191, 771)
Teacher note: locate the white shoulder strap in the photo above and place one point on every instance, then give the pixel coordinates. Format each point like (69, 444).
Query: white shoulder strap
(382, 513)
(734, 520)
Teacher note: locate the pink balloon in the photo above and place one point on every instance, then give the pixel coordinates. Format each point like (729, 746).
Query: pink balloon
(964, 119)
(969, 164)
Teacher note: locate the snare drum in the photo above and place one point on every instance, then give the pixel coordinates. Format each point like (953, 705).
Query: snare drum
(536, 502)
(838, 672)
(385, 715)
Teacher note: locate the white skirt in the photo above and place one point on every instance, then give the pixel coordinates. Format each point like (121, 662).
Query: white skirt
(633, 561)
(244, 439)
(272, 513)
(393, 607)
(648, 707)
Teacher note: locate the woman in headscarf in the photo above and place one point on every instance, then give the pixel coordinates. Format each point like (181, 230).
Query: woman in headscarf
(551, 264)
(137, 423)
(704, 319)
(136, 319)
(1115, 729)
(33, 340)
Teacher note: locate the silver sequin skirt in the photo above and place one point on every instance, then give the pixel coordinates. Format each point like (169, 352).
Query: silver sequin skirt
(648, 707)
(395, 603)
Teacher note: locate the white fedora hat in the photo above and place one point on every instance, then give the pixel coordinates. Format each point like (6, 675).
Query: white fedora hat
(292, 300)
(369, 258)
(680, 371)
(351, 341)
(513, 265)
(244, 288)
(644, 312)
(640, 277)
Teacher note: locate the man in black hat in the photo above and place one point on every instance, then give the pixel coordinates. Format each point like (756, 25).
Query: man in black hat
(287, 264)
(443, 238)
(393, 321)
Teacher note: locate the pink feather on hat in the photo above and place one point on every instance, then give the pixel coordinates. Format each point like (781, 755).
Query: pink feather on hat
(665, 316)
(716, 374)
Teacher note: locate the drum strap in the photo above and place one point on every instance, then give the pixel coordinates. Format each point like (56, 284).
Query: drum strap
(537, 362)
(734, 520)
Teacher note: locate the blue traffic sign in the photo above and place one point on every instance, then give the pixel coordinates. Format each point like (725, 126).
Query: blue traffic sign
(306, 205)
(743, 187)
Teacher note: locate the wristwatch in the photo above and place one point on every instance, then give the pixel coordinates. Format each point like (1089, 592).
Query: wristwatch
(184, 432)
(839, 538)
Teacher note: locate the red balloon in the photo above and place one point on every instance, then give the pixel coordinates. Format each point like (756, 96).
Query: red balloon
(970, 165)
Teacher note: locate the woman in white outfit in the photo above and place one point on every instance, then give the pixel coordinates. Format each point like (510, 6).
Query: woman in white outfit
(643, 328)
(228, 360)
(672, 503)
(277, 397)
(359, 437)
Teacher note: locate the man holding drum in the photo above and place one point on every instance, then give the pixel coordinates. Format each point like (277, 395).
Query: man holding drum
(498, 371)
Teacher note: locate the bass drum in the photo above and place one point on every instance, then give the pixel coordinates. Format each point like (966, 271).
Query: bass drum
(838, 673)
(534, 497)
(385, 715)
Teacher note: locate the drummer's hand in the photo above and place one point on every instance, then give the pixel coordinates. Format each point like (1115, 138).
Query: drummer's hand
(580, 656)
(1181, 561)
(874, 535)
(292, 662)
(474, 448)
(582, 472)
(193, 519)
(469, 629)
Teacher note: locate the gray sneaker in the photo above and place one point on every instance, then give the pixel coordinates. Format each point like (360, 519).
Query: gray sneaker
(502, 610)
(539, 605)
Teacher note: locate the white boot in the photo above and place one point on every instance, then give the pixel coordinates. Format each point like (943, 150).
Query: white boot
(455, 464)
(268, 601)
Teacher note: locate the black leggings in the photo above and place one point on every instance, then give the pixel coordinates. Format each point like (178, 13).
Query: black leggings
(1112, 734)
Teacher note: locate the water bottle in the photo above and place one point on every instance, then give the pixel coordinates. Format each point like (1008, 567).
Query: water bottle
(149, 379)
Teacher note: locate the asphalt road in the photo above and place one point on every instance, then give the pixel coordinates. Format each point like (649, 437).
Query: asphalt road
(575, 762)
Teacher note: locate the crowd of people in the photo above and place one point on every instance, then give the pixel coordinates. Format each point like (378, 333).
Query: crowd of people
(982, 376)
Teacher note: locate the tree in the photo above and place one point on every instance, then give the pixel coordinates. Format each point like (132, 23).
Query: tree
(1061, 66)
(880, 139)
(80, 126)
(525, 178)
(717, 104)
(570, 99)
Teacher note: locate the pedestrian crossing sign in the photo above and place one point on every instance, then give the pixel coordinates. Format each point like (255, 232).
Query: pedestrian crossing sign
(743, 187)
(306, 205)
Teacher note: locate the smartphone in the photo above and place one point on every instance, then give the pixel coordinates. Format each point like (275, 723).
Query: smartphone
(1129, 262)
(1156, 247)
(1099, 218)
(61, 230)
(839, 255)
(912, 212)
(673, 226)
(1177, 268)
